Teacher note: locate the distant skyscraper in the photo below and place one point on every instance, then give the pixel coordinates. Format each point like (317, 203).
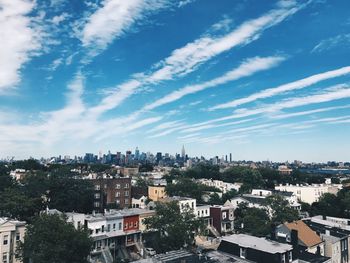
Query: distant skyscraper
(230, 157)
(137, 153)
(183, 153)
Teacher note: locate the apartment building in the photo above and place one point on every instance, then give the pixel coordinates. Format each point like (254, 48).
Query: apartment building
(155, 193)
(223, 218)
(224, 187)
(11, 233)
(184, 202)
(309, 193)
(112, 192)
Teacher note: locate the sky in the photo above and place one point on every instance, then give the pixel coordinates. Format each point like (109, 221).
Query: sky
(263, 80)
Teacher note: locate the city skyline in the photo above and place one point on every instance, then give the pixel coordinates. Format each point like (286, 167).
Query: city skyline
(260, 81)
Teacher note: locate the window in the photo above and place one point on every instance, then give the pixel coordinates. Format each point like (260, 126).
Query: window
(105, 186)
(117, 194)
(126, 226)
(103, 229)
(243, 252)
(97, 196)
(96, 204)
(290, 256)
(18, 237)
(108, 227)
(113, 226)
(126, 185)
(155, 191)
(136, 223)
(126, 193)
(192, 204)
(97, 187)
(126, 201)
(117, 186)
(4, 257)
(117, 201)
(6, 240)
(120, 226)
(224, 215)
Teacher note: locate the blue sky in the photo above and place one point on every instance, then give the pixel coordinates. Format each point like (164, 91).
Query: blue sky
(260, 79)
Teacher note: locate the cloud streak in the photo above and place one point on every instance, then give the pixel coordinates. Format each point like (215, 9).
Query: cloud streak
(186, 59)
(19, 47)
(247, 68)
(296, 85)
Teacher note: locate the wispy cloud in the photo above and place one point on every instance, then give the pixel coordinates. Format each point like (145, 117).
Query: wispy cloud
(113, 19)
(20, 39)
(184, 60)
(247, 68)
(331, 43)
(296, 85)
(308, 112)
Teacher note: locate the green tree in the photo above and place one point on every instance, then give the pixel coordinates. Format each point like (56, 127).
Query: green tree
(281, 210)
(6, 180)
(15, 204)
(51, 239)
(174, 229)
(251, 220)
(329, 205)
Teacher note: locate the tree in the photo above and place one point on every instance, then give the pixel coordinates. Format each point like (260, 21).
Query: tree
(229, 195)
(252, 220)
(5, 179)
(174, 229)
(281, 210)
(68, 194)
(329, 204)
(51, 239)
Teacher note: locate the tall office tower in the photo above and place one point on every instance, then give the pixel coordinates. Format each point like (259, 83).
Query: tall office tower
(230, 157)
(226, 158)
(137, 154)
(183, 153)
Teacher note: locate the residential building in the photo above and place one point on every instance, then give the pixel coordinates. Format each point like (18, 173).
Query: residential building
(336, 240)
(223, 218)
(11, 233)
(309, 193)
(256, 249)
(184, 202)
(307, 239)
(112, 192)
(139, 202)
(155, 193)
(284, 170)
(224, 187)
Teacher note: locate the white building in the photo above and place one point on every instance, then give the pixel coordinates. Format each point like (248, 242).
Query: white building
(184, 202)
(224, 187)
(11, 233)
(309, 193)
(139, 202)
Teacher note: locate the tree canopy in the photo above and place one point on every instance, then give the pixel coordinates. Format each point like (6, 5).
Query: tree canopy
(174, 229)
(51, 239)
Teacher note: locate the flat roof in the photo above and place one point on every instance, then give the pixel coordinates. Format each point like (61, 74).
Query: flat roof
(258, 243)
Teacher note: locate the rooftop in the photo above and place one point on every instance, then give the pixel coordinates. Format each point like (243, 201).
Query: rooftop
(305, 233)
(258, 243)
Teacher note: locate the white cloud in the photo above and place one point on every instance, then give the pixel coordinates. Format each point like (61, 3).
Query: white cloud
(20, 39)
(186, 59)
(113, 19)
(337, 92)
(296, 85)
(185, 2)
(308, 112)
(333, 42)
(56, 20)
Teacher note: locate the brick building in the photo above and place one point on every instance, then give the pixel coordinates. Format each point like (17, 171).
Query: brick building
(112, 192)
